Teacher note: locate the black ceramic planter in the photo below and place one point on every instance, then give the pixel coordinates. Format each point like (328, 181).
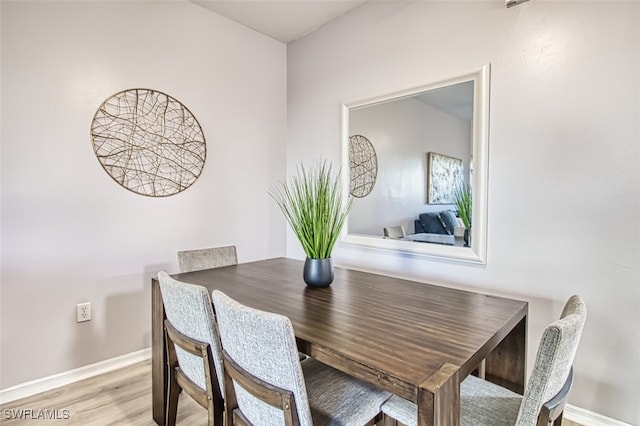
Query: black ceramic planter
(318, 272)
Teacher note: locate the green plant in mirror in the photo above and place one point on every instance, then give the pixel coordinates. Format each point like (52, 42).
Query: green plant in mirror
(312, 202)
(463, 200)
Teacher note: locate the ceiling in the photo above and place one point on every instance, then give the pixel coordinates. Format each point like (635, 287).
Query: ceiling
(283, 20)
(456, 100)
(288, 20)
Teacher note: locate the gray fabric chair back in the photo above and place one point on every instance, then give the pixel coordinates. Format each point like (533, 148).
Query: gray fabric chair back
(554, 360)
(188, 308)
(394, 232)
(263, 344)
(215, 257)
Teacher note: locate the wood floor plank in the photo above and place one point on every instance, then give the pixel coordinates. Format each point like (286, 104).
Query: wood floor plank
(121, 397)
(118, 398)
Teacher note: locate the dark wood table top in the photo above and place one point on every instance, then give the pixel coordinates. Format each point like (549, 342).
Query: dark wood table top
(413, 339)
(391, 332)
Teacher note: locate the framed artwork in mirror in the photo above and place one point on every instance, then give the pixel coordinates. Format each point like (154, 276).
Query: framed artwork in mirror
(443, 176)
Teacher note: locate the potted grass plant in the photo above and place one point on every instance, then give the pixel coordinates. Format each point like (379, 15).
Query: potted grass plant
(463, 200)
(313, 205)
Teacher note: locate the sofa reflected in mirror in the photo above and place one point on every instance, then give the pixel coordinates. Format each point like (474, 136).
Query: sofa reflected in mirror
(440, 227)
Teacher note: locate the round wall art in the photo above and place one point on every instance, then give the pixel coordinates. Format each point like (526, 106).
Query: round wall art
(148, 142)
(363, 166)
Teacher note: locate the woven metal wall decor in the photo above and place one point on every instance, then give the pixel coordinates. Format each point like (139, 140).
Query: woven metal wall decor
(363, 166)
(148, 142)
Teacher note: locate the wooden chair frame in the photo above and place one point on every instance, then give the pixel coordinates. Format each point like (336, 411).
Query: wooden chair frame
(266, 392)
(552, 410)
(211, 397)
(550, 413)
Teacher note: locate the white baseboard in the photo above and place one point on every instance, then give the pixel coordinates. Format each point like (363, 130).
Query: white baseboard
(589, 418)
(33, 387)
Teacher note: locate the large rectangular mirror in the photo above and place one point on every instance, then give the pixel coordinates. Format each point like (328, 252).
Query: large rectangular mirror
(407, 152)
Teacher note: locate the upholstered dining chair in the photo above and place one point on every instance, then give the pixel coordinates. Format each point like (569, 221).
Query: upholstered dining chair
(483, 403)
(266, 384)
(194, 355)
(207, 258)
(394, 232)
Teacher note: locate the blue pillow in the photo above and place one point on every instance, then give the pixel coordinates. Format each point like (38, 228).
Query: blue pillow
(449, 220)
(432, 223)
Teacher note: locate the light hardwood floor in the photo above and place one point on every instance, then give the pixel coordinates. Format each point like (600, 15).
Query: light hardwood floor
(121, 397)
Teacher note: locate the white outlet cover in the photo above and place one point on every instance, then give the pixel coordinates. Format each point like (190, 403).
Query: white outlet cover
(83, 312)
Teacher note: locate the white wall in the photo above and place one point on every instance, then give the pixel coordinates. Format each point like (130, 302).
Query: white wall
(71, 234)
(402, 133)
(564, 204)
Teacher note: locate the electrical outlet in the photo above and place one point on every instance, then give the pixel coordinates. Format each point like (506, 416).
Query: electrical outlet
(83, 312)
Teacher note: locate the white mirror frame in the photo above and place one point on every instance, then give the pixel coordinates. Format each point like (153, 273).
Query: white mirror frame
(477, 253)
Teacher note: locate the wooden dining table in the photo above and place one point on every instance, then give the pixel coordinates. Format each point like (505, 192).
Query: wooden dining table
(413, 339)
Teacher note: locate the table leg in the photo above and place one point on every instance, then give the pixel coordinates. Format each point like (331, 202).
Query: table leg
(158, 362)
(439, 398)
(506, 364)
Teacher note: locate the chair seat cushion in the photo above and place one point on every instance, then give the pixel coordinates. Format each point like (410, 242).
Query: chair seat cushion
(402, 410)
(338, 399)
(482, 403)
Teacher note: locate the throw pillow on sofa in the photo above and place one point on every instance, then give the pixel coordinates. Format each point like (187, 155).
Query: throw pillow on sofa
(449, 220)
(431, 223)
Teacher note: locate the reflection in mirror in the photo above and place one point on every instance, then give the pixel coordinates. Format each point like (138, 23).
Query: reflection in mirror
(426, 141)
